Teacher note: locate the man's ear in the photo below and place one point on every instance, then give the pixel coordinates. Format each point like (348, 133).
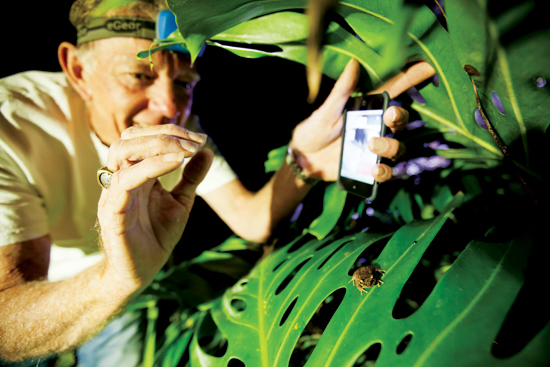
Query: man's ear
(73, 68)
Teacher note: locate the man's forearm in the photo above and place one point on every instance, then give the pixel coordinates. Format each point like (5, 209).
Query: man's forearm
(254, 216)
(41, 318)
(283, 193)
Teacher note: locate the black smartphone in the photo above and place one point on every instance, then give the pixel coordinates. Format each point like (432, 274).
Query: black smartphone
(362, 122)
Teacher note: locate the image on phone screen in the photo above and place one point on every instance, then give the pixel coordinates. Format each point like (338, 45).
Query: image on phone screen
(357, 159)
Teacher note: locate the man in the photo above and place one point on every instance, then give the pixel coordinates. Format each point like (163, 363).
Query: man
(109, 109)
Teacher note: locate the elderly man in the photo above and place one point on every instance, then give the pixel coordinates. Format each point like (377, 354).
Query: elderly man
(108, 109)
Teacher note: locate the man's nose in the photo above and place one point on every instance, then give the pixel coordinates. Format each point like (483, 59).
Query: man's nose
(163, 98)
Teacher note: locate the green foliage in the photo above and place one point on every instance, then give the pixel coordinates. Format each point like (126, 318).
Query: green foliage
(267, 317)
(275, 159)
(449, 107)
(508, 69)
(333, 204)
(454, 282)
(261, 335)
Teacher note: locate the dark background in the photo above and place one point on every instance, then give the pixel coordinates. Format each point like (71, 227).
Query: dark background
(31, 34)
(248, 106)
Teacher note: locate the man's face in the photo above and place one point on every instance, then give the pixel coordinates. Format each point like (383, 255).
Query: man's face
(124, 91)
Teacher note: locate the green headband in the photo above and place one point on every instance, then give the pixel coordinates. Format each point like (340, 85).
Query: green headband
(103, 27)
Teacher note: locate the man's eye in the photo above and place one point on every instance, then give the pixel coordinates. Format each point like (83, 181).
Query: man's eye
(142, 77)
(183, 84)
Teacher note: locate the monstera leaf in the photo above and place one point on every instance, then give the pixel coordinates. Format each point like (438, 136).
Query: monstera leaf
(385, 35)
(264, 318)
(264, 315)
(507, 55)
(199, 20)
(277, 309)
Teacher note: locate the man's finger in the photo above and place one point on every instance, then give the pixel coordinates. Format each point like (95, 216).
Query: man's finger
(123, 152)
(414, 75)
(382, 172)
(387, 148)
(193, 174)
(134, 176)
(396, 118)
(165, 129)
(345, 85)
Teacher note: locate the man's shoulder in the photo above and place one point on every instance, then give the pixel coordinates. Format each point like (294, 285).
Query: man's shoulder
(34, 95)
(28, 83)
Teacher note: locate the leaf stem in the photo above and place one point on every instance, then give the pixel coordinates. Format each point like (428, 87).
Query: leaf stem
(503, 148)
(441, 8)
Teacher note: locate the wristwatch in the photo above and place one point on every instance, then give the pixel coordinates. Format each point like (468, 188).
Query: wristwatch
(297, 170)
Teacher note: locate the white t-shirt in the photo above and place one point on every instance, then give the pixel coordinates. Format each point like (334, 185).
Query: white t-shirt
(49, 157)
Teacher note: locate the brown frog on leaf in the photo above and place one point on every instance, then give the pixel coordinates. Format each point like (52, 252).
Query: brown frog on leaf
(366, 277)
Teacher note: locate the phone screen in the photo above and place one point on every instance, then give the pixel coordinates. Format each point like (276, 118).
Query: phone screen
(357, 159)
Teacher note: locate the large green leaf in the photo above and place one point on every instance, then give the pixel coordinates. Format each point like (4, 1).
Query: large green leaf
(458, 322)
(271, 29)
(455, 326)
(449, 108)
(340, 45)
(258, 336)
(506, 66)
(199, 20)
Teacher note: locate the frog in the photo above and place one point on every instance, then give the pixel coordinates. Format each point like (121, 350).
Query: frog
(366, 277)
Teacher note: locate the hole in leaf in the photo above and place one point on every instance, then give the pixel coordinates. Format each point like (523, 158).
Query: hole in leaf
(435, 80)
(288, 311)
(314, 329)
(243, 283)
(331, 255)
(234, 362)
(415, 95)
(369, 255)
(498, 103)
(279, 265)
(472, 71)
(290, 276)
(404, 344)
(369, 357)
(211, 341)
(480, 121)
(302, 241)
(436, 260)
(238, 305)
(540, 82)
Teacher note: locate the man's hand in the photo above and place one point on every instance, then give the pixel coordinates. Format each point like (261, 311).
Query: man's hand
(140, 221)
(317, 140)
